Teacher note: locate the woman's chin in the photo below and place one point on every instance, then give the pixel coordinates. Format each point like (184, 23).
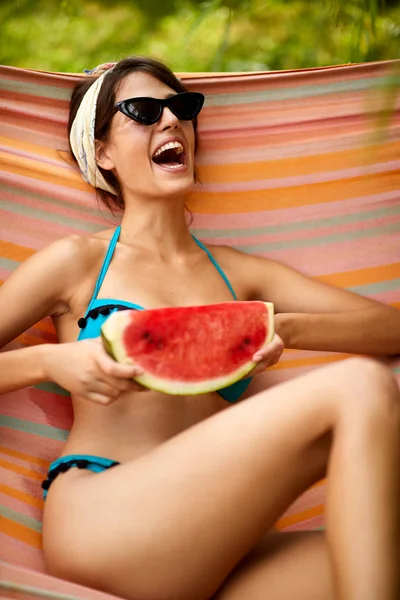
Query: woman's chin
(178, 185)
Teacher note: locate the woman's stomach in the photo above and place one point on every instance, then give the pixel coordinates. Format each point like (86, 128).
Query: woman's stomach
(136, 423)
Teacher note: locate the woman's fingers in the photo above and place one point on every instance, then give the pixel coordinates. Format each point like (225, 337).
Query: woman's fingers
(268, 355)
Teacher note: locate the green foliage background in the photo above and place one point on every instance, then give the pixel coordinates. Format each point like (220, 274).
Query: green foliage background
(202, 35)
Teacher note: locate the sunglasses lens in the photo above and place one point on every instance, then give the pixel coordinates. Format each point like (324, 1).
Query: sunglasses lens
(144, 111)
(186, 106)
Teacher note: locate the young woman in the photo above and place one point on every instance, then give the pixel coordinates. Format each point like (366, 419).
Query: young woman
(174, 498)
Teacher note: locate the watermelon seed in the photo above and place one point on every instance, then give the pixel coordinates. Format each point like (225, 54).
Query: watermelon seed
(247, 340)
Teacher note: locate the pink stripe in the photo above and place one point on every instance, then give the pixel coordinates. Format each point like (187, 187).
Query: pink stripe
(33, 233)
(23, 555)
(23, 576)
(54, 209)
(280, 216)
(28, 443)
(387, 297)
(25, 484)
(25, 463)
(307, 525)
(21, 507)
(47, 139)
(40, 78)
(305, 234)
(341, 256)
(315, 496)
(40, 407)
(35, 157)
(50, 190)
(263, 149)
(35, 111)
(281, 375)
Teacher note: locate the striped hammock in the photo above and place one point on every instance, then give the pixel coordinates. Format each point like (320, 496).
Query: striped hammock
(300, 166)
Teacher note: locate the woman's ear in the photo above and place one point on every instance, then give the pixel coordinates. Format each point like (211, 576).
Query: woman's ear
(103, 155)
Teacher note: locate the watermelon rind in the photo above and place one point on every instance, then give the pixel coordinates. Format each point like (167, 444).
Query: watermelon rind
(111, 333)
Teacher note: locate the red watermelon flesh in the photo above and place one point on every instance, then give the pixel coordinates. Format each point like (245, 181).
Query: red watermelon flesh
(190, 350)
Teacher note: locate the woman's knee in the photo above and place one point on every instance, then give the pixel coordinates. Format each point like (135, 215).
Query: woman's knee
(371, 390)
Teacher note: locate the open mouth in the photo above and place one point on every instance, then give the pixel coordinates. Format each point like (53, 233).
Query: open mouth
(170, 156)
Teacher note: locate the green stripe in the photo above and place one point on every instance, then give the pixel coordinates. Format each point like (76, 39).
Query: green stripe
(43, 215)
(396, 370)
(46, 431)
(35, 89)
(299, 225)
(320, 241)
(291, 93)
(272, 95)
(49, 386)
(20, 518)
(50, 201)
(27, 591)
(379, 287)
(9, 265)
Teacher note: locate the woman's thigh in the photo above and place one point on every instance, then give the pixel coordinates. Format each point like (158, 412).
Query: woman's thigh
(152, 528)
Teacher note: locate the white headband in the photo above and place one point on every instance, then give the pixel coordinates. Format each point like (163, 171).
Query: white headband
(82, 138)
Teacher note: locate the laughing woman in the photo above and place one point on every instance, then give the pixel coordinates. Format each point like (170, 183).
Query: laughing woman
(174, 498)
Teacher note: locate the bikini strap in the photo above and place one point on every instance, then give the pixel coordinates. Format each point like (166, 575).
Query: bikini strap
(216, 265)
(106, 264)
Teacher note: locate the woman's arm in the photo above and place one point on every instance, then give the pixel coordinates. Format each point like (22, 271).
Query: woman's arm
(23, 368)
(44, 285)
(363, 331)
(313, 315)
(41, 286)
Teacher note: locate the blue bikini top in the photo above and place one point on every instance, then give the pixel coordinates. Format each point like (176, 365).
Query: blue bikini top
(100, 308)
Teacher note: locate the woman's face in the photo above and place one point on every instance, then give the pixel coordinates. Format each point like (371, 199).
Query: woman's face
(132, 150)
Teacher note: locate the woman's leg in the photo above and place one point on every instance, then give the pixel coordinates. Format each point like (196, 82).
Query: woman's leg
(176, 522)
(285, 566)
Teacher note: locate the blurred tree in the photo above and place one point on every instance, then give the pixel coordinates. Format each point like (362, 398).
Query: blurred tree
(202, 35)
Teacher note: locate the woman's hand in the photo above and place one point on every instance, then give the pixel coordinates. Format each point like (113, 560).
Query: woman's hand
(84, 368)
(268, 355)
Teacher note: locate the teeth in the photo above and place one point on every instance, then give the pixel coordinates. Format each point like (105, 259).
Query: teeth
(169, 146)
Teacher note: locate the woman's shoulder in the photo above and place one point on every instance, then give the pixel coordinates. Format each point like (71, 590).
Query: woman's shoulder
(228, 255)
(77, 251)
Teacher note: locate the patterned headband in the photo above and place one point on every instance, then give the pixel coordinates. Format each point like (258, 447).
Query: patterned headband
(82, 132)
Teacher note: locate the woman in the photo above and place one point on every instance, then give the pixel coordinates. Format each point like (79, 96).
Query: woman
(159, 497)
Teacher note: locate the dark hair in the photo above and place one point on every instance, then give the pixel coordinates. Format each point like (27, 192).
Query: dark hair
(105, 108)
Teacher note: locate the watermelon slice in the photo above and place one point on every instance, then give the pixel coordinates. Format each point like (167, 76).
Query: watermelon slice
(190, 350)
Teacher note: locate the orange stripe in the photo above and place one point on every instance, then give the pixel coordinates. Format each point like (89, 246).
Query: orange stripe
(253, 201)
(301, 165)
(303, 362)
(43, 172)
(309, 513)
(22, 496)
(34, 149)
(14, 251)
(21, 470)
(28, 457)
(363, 276)
(21, 533)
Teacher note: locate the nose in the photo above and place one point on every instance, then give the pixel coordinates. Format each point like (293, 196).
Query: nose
(168, 119)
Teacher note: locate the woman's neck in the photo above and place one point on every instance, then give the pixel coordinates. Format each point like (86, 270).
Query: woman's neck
(157, 226)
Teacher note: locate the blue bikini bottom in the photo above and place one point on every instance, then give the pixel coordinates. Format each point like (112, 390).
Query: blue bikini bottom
(97, 464)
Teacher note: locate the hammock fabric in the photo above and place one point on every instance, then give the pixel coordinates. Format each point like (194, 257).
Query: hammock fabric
(300, 166)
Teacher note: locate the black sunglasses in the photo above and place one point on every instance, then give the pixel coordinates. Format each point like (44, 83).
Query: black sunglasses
(147, 111)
